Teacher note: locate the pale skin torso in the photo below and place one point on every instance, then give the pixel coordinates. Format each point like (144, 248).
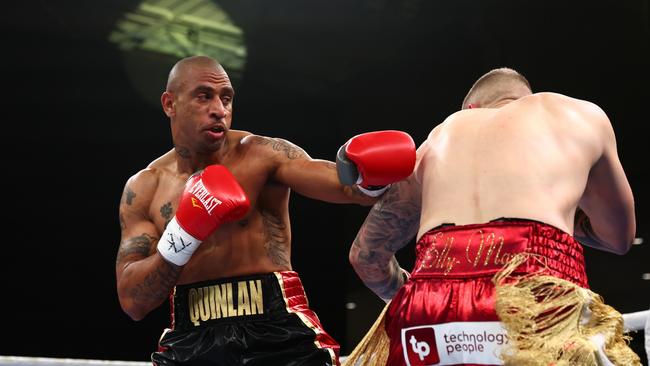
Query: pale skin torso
(520, 160)
(265, 168)
(539, 157)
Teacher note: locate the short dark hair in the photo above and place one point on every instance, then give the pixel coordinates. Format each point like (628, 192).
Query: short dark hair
(491, 84)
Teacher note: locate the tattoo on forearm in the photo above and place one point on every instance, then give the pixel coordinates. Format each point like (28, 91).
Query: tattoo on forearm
(156, 285)
(391, 223)
(276, 240)
(372, 268)
(390, 284)
(141, 245)
(166, 212)
(290, 150)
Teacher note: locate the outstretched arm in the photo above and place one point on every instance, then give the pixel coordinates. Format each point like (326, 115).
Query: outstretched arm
(368, 164)
(313, 178)
(390, 225)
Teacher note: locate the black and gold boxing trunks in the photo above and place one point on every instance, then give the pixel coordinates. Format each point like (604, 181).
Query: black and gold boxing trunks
(257, 320)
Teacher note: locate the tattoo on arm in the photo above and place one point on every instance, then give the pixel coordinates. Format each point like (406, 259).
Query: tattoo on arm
(290, 150)
(276, 240)
(390, 284)
(156, 285)
(166, 212)
(141, 244)
(128, 196)
(391, 223)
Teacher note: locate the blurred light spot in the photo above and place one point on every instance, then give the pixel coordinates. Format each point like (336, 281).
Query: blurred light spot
(353, 305)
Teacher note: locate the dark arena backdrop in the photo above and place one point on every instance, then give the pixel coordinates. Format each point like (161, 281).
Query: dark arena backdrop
(81, 114)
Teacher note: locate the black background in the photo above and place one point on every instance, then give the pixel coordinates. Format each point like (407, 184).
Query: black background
(76, 126)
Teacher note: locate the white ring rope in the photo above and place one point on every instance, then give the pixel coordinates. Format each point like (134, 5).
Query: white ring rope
(636, 321)
(46, 361)
(639, 320)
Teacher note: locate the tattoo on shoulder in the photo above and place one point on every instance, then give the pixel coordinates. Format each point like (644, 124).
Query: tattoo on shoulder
(290, 150)
(128, 196)
(141, 245)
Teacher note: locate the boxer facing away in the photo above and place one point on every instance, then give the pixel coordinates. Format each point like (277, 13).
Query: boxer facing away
(497, 188)
(207, 226)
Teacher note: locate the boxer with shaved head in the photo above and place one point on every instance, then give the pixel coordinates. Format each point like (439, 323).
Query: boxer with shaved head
(207, 225)
(503, 193)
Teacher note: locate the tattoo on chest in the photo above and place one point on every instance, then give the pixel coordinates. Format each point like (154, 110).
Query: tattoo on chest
(276, 240)
(128, 196)
(166, 212)
(291, 151)
(141, 245)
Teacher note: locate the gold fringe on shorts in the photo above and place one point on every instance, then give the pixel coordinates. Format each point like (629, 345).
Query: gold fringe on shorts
(374, 347)
(551, 321)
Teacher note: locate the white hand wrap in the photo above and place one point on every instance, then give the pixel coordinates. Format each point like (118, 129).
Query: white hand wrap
(373, 192)
(176, 245)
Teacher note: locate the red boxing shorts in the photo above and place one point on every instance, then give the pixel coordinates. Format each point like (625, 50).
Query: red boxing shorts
(256, 320)
(445, 314)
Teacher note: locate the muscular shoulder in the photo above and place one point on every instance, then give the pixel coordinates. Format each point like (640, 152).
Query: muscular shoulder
(565, 104)
(586, 115)
(273, 147)
(140, 188)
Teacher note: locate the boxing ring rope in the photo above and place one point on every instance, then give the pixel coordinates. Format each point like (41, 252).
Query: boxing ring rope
(46, 361)
(637, 321)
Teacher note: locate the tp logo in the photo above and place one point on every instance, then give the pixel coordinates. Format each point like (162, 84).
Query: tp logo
(420, 347)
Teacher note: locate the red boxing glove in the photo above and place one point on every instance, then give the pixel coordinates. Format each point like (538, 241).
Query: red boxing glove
(376, 159)
(211, 197)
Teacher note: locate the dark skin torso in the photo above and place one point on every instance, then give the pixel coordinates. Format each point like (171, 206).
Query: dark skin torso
(266, 168)
(259, 243)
